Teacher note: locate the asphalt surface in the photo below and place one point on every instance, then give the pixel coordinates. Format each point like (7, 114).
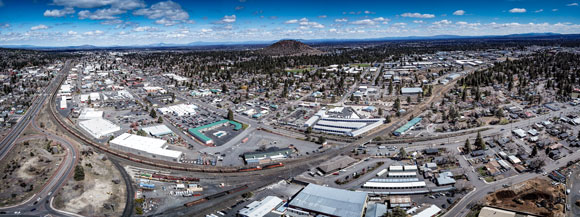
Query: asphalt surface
(40, 204)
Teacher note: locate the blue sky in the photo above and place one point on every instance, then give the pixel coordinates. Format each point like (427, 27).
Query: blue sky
(138, 22)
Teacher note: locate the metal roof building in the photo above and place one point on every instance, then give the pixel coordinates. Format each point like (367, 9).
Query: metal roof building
(320, 200)
(157, 130)
(407, 126)
(145, 146)
(411, 90)
(99, 127)
(260, 208)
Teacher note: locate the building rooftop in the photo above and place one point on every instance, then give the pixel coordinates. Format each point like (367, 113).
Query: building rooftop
(330, 201)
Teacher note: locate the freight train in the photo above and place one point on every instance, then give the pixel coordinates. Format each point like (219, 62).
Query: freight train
(216, 195)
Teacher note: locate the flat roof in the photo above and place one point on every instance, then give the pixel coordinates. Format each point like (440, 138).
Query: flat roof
(330, 201)
(145, 144)
(394, 184)
(261, 208)
(157, 130)
(99, 127)
(431, 211)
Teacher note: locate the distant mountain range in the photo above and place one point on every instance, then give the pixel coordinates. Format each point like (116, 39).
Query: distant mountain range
(257, 44)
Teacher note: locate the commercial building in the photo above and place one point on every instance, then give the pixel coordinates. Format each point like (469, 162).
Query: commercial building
(261, 208)
(198, 131)
(145, 146)
(400, 201)
(342, 121)
(267, 156)
(428, 211)
(179, 110)
(90, 113)
(158, 130)
(99, 127)
(411, 90)
(316, 200)
(403, 129)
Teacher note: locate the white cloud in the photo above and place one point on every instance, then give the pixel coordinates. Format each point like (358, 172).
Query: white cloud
(101, 14)
(340, 20)
(417, 15)
(291, 21)
(418, 21)
(538, 11)
(145, 28)
(572, 4)
(554, 10)
(228, 19)
(518, 10)
(91, 33)
(322, 16)
(206, 30)
(332, 30)
(39, 27)
(71, 32)
(369, 12)
(442, 22)
(4, 25)
(166, 13)
(368, 22)
(459, 12)
(120, 4)
(59, 13)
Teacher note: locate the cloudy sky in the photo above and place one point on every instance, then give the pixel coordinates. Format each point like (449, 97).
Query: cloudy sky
(139, 22)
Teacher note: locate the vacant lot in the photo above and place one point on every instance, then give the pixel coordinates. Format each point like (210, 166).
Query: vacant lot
(101, 192)
(27, 168)
(537, 196)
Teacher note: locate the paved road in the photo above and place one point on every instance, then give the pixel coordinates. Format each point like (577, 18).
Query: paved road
(41, 203)
(8, 142)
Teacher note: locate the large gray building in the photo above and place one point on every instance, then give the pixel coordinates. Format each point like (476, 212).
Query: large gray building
(319, 200)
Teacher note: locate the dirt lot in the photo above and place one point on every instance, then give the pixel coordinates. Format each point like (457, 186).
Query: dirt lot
(27, 168)
(537, 196)
(100, 193)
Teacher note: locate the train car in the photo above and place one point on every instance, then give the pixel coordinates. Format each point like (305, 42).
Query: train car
(195, 202)
(241, 188)
(250, 169)
(270, 166)
(218, 195)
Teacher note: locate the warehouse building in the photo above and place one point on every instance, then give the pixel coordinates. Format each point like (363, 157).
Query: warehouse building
(411, 90)
(145, 146)
(158, 130)
(90, 113)
(179, 110)
(316, 200)
(403, 129)
(267, 156)
(342, 121)
(99, 127)
(336, 163)
(261, 208)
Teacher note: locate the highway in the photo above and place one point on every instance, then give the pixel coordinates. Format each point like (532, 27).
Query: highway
(40, 204)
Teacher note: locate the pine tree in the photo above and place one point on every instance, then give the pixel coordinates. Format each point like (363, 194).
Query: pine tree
(467, 147)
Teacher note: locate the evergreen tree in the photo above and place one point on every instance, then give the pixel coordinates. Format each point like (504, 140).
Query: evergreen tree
(467, 147)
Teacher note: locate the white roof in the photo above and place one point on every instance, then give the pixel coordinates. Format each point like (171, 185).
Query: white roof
(260, 208)
(145, 144)
(180, 110)
(394, 184)
(89, 113)
(99, 127)
(138, 142)
(514, 159)
(431, 211)
(395, 168)
(402, 174)
(158, 130)
(410, 167)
